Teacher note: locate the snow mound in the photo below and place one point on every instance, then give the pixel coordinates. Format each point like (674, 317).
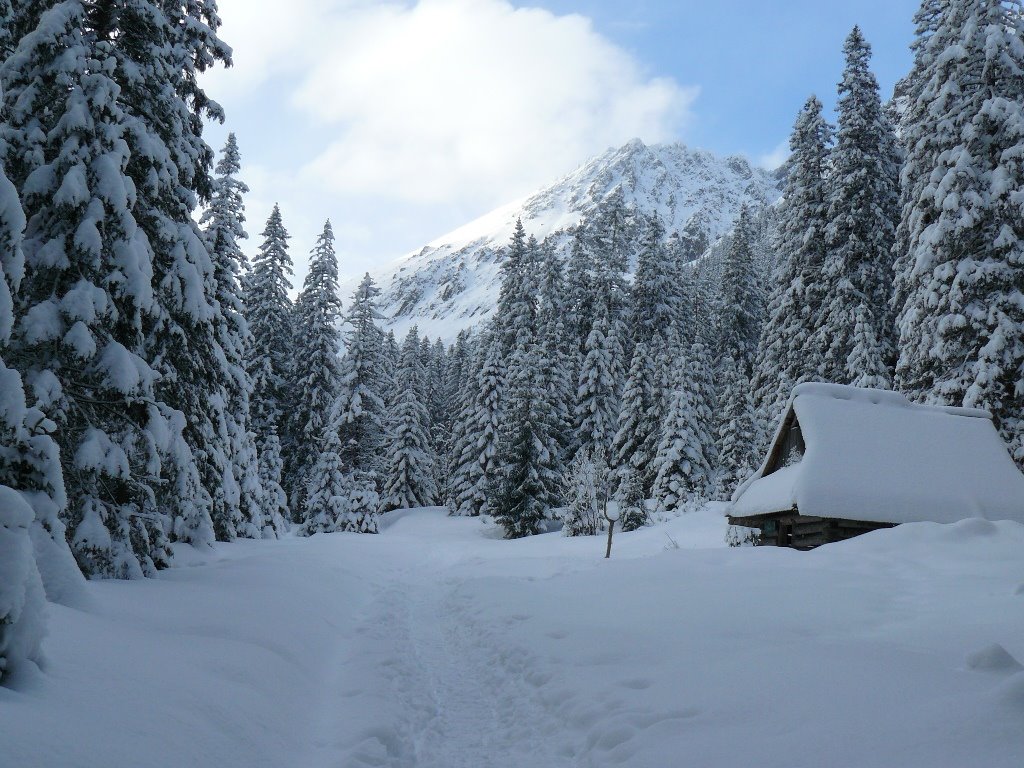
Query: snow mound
(1011, 692)
(993, 658)
(22, 601)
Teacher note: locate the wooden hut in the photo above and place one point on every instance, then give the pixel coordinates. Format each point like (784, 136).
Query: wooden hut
(846, 460)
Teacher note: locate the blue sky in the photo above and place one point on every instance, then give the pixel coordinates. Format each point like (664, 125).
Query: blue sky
(403, 119)
(756, 65)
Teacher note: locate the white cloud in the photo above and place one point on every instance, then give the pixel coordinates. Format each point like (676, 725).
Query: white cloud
(776, 157)
(453, 105)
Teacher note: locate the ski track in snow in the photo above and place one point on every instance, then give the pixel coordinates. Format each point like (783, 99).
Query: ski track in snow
(458, 683)
(467, 698)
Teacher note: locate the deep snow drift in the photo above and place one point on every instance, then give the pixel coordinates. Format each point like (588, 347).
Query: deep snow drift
(438, 644)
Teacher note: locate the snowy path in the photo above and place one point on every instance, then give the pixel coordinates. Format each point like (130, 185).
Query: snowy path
(451, 691)
(465, 699)
(437, 645)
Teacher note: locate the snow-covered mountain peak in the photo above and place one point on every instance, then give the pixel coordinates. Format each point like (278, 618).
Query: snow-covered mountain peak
(452, 282)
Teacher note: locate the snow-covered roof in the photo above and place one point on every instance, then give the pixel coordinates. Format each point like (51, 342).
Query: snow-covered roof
(873, 455)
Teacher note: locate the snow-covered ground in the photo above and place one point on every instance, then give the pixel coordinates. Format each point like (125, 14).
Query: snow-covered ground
(436, 644)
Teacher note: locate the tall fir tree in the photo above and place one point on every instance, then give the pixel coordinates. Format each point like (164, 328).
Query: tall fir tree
(516, 290)
(682, 463)
(636, 441)
(736, 448)
(556, 369)
(161, 49)
(478, 462)
(409, 478)
(865, 365)
(656, 301)
(528, 451)
(315, 366)
(742, 296)
(790, 350)
(244, 511)
(960, 269)
(87, 302)
(276, 512)
(31, 483)
(528, 484)
(365, 378)
(29, 456)
(462, 454)
(579, 292)
(610, 239)
(863, 189)
(269, 312)
(597, 402)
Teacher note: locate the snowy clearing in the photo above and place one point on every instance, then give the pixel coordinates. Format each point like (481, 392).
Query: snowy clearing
(438, 644)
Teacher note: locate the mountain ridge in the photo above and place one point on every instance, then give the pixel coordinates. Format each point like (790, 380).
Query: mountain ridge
(452, 282)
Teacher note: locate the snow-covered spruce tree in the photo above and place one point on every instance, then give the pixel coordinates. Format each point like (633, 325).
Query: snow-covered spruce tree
(630, 497)
(276, 512)
(742, 296)
(610, 239)
(656, 300)
(597, 397)
(707, 311)
(457, 372)
(364, 383)
(527, 447)
(435, 367)
(583, 477)
(392, 354)
(409, 471)
(478, 462)
(933, 83)
(161, 49)
(22, 601)
(515, 292)
(437, 395)
(557, 378)
(315, 367)
(579, 316)
(269, 311)
(579, 293)
(87, 301)
(462, 452)
(22, 621)
(737, 443)
(682, 274)
(636, 441)
(29, 457)
(863, 190)
(528, 472)
(790, 351)
(683, 472)
(336, 497)
(243, 512)
(865, 366)
(961, 276)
